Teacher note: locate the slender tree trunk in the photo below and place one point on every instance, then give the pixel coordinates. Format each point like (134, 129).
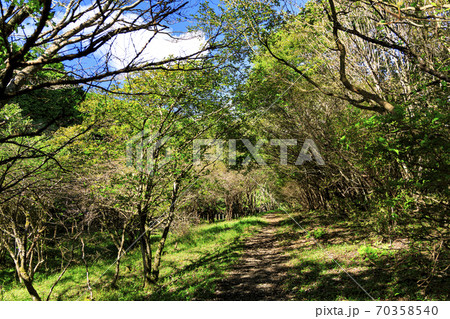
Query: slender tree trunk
(20, 261)
(28, 283)
(145, 250)
(88, 281)
(159, 250)
(119, 254)
(162, 241)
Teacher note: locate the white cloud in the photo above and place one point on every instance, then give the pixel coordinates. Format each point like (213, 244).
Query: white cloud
(144, 46)
(134, 47)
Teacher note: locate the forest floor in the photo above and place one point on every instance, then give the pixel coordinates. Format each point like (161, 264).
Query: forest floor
(267, 257)
(320, 257)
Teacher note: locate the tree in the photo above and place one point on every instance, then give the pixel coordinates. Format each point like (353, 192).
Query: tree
(144, 127)
(342, 33)
(28, 183)
(388, 171)
(425, 23)
(47, 46)
(68, 32)
(43, 50)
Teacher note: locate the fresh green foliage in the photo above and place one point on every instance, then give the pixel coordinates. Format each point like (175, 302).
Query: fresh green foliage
(316, 233)
(371, 253)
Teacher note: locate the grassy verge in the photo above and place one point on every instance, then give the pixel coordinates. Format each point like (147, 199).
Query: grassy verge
(386, 271)
(191, 266)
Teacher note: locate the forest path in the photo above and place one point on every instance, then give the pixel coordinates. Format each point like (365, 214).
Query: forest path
(262, 269)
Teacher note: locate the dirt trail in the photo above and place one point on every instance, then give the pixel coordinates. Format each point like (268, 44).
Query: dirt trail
(261, 270)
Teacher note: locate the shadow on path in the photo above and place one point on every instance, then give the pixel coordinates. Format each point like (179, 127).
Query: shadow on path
(261, 270)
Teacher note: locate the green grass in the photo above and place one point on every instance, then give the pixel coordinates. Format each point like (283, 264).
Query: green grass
(385, 272)
(191, 265)
(194, 262)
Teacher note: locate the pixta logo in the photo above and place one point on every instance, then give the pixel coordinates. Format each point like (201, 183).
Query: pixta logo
(147, 151)
(308, 152)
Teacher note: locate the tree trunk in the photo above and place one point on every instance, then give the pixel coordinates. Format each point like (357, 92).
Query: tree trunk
(28, 283)
(159, 250)
(20, 261)
(145, 250)
(119, 255)
(162, 241)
